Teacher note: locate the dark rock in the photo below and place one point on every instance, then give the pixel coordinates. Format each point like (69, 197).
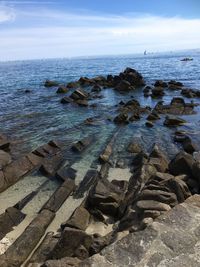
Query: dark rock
(121, 118)
(65, 173)
(18, 252)
(62, 90)
(189, 146)
(181, 164)
(83, 103)
(51, 165)
(46, 150)
(153, 116)
(149, 124)
(180, 137)
(49, 83)
(196, 171)
(66, 100)
(64, 262)
(82, 144)
(134, 148)
(162, 164)
(84, 81)
(79, 94)
(59, 196)
(160, 83)
(124, 86)
(157, 92)
(96, 88)
(72, 85)
(71, 239)
(27, 91)
(79, 219)
(173, 121)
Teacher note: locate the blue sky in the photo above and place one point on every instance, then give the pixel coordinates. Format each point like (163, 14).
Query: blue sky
(32, 29)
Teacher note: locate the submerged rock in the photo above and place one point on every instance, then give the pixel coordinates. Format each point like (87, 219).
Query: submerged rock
(173, 121)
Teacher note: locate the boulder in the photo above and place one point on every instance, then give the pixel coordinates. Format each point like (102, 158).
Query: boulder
(134, 147)
(66, 100)
(105, 156)
(181, 164)
(49, 83)
(65, 173)
(79, 219)
(189, 146)
(5, 159)
(124, 86)
(152, 205)
(196, 171)
(149, 124)
(157, 92)
(162, 161)
(79, 94)
(96, 88)
(62, 89)
(121, 118)
(50, 165)
(82, 102)
(160, 83)
(59, 196)
(64, 262)
(171, 121)
(72, 85)
(84, 81)
(71, 239)
(82, 144)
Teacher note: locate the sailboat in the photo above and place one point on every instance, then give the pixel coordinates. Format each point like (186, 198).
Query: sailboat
(145, 52)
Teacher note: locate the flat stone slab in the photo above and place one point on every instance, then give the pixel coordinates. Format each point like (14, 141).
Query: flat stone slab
(172, 240)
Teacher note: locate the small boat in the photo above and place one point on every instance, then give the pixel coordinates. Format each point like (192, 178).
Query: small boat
(145, 52)
(187, 59)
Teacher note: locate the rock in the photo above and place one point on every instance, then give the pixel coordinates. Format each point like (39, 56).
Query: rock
(160, 83)
(64, 262)
(105, 156)
(79, 94)
(50, 165)
(49, 83)
(83, 103)
(100, 242)
(153, 116)
(178, 101)
(162, 163)
(123, 86)
(18, 252)
(149, 124)
(79, 219)
(168, 242)
(89, 179)
(66, 173)
(66, 100)
(152, 205)
(189, 146)
(82, 144)
(181, 164)
(59, 196)
(159, 195)
(173, 121)
(4, 142)
(5, 159)
(62, 90)
(72, 85)
(10, 218)
(134, 148)
(27, 91)
(121, 118)
(96, 88)
(84, 81)
(46, 150)
(70, 240)
(157, 92)
(180, 137)
(196, 171)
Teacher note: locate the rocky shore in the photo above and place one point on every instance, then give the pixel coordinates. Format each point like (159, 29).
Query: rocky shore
(140, 208)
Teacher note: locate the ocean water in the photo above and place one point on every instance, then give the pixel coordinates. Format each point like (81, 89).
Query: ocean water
(35, 118)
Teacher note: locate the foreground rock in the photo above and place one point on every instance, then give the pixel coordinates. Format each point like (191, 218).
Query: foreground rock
(168, 241)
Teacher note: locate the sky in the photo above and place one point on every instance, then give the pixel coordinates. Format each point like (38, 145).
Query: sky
(33, 29)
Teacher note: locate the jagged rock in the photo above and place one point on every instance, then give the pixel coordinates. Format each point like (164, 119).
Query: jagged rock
(4, 142)
(71, 239)
(79, 219)
(5, 159)
(49, 83)
(121, 118)
(173, 121)
(152, 205)
(181, 164)
(162, 162)
(160, 83)
(62, 90)
(17, 253)
(79, 94)
(82, 144)
(59, 196)
(105, 156)
(189, 146)
(134, 148)
(149, 124)
(168, 241)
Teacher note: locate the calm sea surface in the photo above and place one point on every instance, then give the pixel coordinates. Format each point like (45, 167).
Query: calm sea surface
(35, 118)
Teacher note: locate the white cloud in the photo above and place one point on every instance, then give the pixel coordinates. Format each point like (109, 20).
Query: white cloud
(66, 34)
(6, 14)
